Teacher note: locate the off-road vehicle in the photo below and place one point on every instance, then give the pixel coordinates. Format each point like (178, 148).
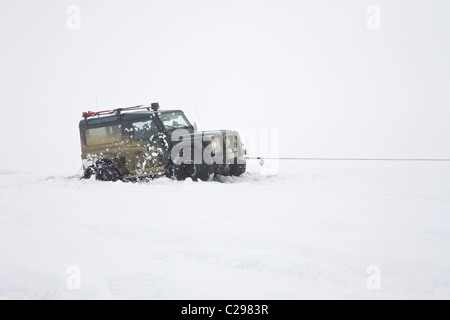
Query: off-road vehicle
(141, 142)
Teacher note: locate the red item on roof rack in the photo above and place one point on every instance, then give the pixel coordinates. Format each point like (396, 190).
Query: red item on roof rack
(106, 112)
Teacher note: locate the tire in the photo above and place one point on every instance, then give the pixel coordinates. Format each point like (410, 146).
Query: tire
(237, 170)
(203, 171)
(179, 172)
(105, 171)
(196, 172)
(88, 173)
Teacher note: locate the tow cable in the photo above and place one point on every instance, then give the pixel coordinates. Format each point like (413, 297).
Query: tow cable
(262, 159)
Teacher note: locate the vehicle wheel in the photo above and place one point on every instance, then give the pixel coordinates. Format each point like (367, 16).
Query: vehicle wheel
(105, 171)
(88, 173)
(203, 172)
(179, 172)
(237, 169)
(186, 169)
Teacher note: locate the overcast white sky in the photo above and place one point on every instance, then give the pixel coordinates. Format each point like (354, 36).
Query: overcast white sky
(311, 69)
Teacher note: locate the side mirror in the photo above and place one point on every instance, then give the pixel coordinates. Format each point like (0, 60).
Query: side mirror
(195, 127)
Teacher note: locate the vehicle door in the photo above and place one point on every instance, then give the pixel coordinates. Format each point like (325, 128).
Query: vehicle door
(148, 157)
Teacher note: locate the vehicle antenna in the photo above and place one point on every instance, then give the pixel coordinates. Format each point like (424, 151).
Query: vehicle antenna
(198, 116)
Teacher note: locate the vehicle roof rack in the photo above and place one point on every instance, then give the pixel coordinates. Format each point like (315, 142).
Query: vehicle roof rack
(112, 111)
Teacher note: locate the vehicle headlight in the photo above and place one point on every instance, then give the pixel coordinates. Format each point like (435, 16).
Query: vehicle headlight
(215, 145)
(231, 143)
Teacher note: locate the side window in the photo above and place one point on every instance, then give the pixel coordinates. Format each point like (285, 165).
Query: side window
(103, 135)
(143, 130)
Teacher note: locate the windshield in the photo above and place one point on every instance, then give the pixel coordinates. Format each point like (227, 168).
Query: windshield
(175, 120)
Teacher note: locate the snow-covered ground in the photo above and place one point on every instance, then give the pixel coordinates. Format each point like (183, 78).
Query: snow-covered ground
(309, 231)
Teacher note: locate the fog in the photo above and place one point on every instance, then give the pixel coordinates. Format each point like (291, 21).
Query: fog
(313, 70)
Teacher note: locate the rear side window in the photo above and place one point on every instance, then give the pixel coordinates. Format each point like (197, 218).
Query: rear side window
(103, 135)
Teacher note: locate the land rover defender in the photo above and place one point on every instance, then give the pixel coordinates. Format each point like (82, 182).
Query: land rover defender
(136, 143)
